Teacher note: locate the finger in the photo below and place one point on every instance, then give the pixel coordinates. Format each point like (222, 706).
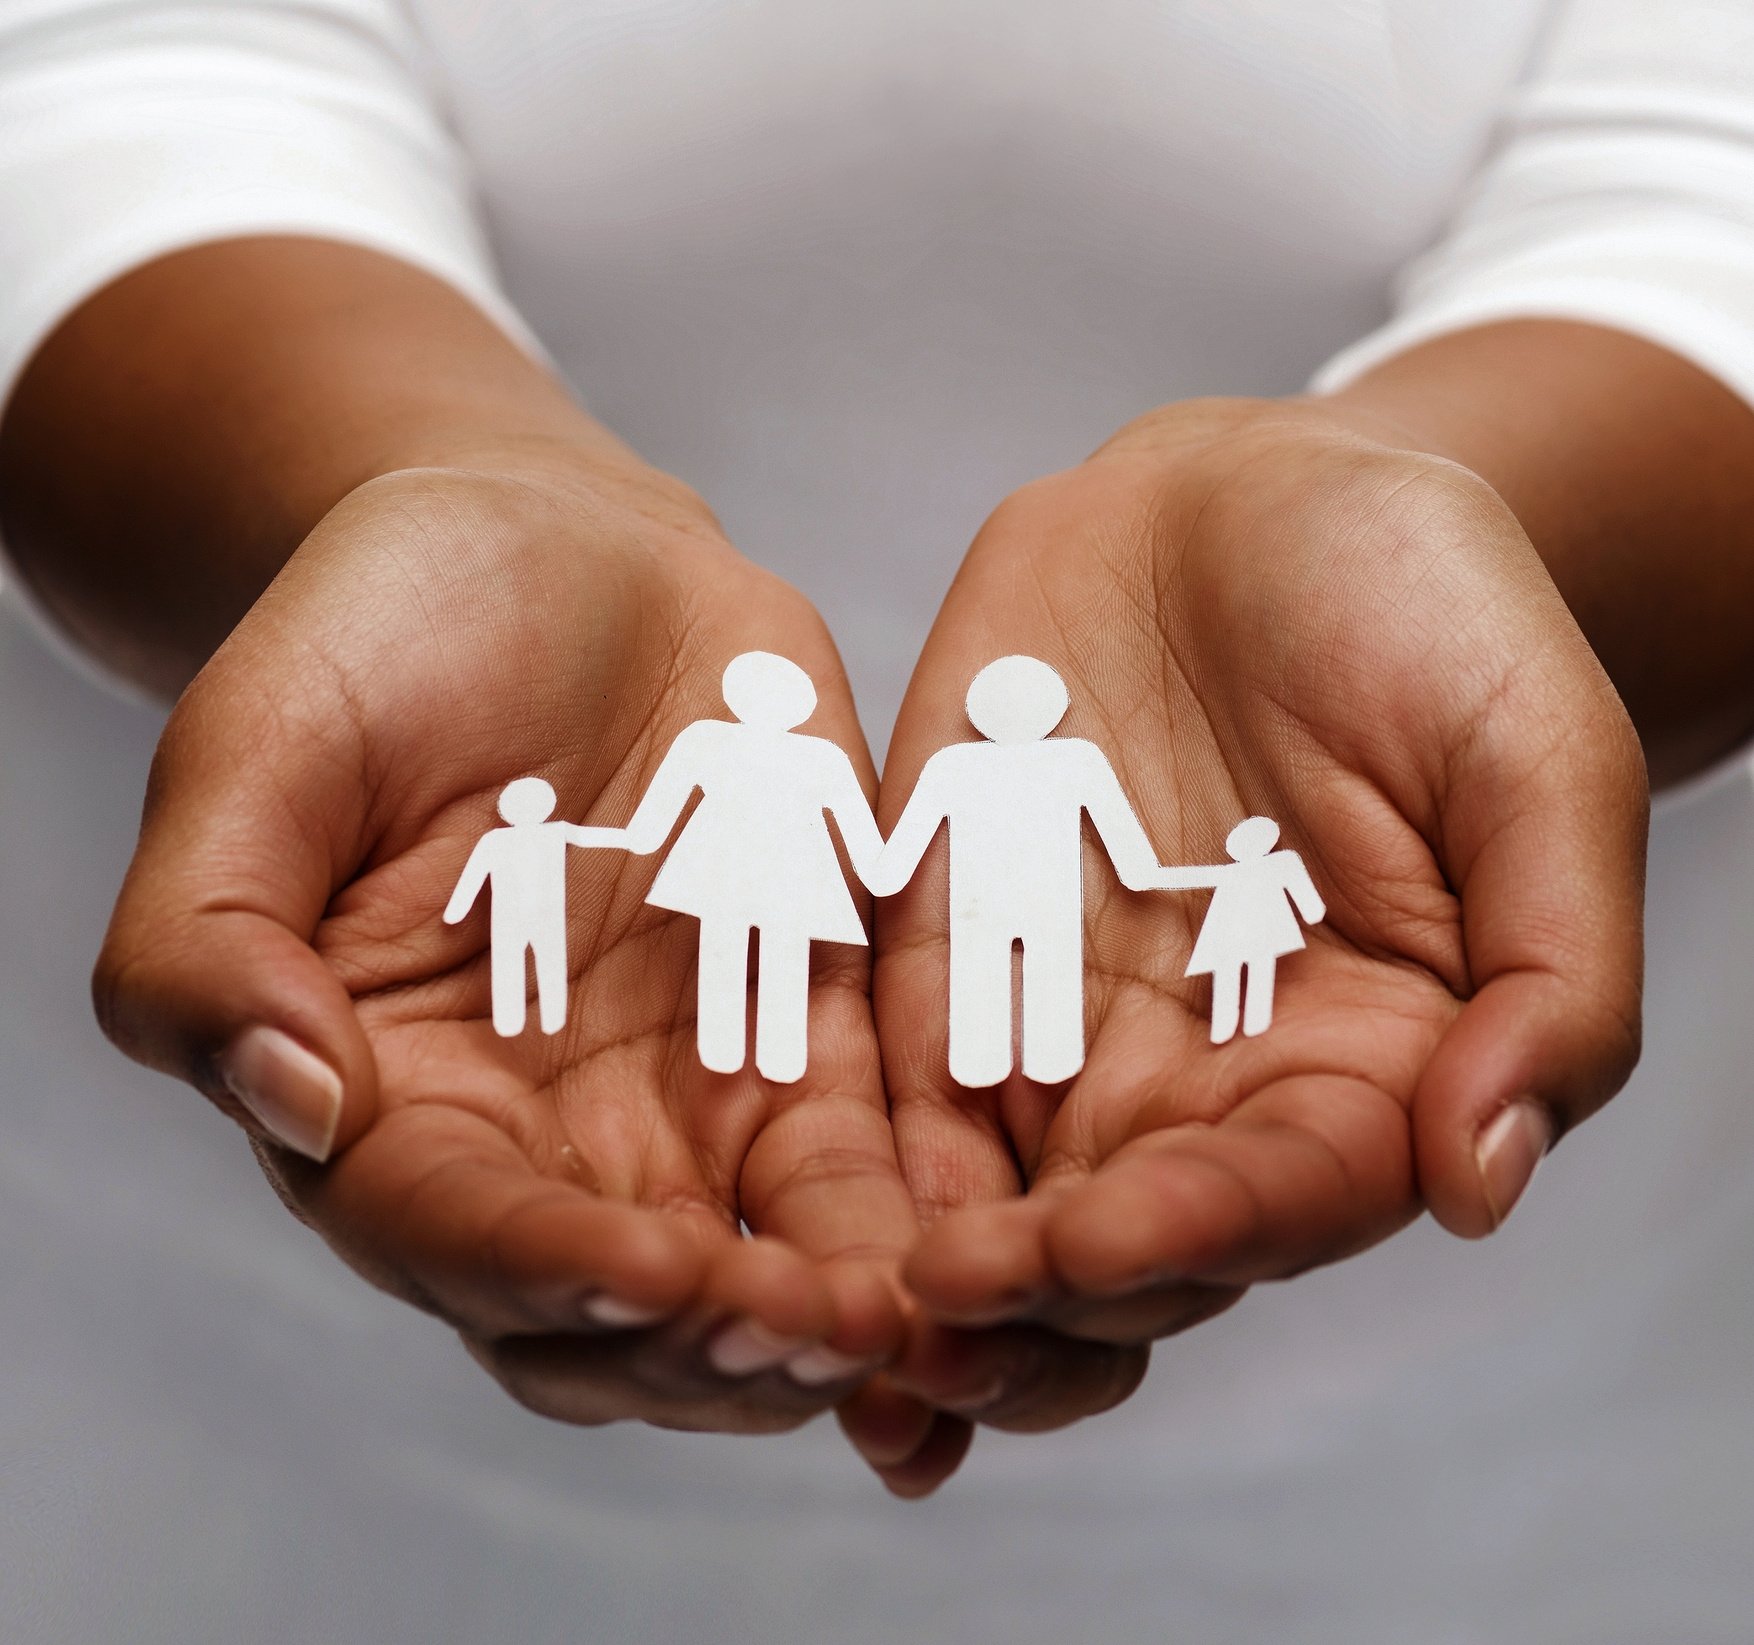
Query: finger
(1308, 1170)
(639, 1377)
(1149, 1315)
(724, 1364)
(883, 1424)
(910, 1446)
(985, 1263)
(938, 1456)
(438, 1207)
(990, 1265)
(956, 1145)
(822, 1177)
(764, 1306)
(953, 1144)
(1550, 865)
(207, 971)
(1018, 1378)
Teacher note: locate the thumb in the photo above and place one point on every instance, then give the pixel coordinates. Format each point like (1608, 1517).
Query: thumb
(1550, 866)
(207, 971)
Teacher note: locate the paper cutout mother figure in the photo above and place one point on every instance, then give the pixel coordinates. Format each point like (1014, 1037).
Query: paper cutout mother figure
(756, 855)
(1015, 806)
(1250, 925)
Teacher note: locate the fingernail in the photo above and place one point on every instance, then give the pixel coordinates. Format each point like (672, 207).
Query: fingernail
(619, 1315)
(290, 1092)
(970, 1405)
(1506, 1155)
(817, 1366)
(746, 1346)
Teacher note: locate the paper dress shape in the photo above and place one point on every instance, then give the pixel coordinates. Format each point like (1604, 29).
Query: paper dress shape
(756, 856)
(1250, 925)
(756, 861)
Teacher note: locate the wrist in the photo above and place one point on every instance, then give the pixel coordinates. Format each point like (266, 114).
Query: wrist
(1632, 472)
(177, 437)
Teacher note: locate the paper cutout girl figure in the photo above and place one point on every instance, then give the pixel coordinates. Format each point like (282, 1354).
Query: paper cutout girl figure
(756, 855)
(1250, 924)
(527, 863)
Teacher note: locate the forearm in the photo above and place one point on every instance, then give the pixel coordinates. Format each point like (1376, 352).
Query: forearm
(1633, 474)
(176, 437)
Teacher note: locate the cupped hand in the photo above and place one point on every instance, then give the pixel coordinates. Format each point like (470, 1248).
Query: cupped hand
(572, 1204)
(1261, 609)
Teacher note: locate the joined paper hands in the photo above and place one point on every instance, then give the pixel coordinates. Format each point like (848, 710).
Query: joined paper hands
(755, 859)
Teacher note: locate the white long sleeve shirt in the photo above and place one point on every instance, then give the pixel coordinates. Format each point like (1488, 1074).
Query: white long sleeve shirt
(856, 270)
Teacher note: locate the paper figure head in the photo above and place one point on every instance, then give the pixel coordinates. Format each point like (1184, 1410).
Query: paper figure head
(768, 691)
(1254, 838)
(1016, 700)
(528, 800)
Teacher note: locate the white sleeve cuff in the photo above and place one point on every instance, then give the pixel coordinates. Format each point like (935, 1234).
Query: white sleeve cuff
(136, 128)
(139, 136)
(1684, 286)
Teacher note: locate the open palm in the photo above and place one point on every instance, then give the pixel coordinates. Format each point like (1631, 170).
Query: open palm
(1258, 611)
(574, 1204)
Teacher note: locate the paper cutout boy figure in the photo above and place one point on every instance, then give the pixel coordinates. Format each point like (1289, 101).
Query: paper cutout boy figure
(1250, 924)
(756, 855)
(1015, 805)
(527, 863)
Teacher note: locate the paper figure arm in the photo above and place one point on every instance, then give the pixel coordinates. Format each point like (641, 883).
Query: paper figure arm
(852, 816)
(914, 831)
(579, 834)
(672, 784)
(474, 876)
(1191, 878)
(1118, 828)
(1304, 896)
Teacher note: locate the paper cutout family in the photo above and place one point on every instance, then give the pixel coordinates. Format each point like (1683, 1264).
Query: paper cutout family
(756, 856)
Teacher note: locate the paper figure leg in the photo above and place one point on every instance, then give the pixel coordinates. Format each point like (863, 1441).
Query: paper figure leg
(509, 1006)
(782, 1007)
(722, 1009)
(980, 1005)
(549, 950)
(1257, 1005)
(1226, 1003)
(1053, 1006)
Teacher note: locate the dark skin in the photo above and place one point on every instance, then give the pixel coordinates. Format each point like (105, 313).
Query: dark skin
(414, 488)
(1559, 510)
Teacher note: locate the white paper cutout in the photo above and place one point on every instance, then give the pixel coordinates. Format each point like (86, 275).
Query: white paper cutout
(756, 856)
(1014, 804)
(526, 861)
(1249, 924)
(756, 859)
